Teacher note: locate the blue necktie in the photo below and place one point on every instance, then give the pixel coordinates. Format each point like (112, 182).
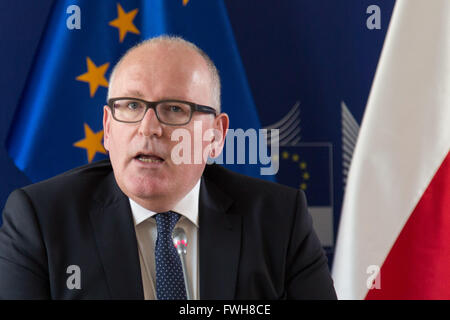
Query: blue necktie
(169, 274)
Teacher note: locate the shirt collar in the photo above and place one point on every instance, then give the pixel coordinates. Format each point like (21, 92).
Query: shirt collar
(187, 207)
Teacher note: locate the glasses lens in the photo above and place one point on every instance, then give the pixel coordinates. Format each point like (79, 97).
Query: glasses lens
(173, 112)
(129, 110)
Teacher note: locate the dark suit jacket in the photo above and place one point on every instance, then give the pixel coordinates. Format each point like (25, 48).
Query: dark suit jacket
(256, 240)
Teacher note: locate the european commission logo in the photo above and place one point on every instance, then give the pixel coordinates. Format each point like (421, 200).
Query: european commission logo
(308, 166)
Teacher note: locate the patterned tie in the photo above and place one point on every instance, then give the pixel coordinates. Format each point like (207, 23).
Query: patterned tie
(169, 274)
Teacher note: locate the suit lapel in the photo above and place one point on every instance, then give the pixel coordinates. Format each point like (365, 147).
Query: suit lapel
(219, 236)
(116, 241)
(220, 242)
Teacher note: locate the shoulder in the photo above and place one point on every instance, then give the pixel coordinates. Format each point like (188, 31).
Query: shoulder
(64, 202)
(82, 179)
(239, 186)
(76, 190)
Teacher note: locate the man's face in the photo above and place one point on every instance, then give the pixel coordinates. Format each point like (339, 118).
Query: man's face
(140, 153)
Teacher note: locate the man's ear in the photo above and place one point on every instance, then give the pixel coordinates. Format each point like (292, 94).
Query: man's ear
(221, 124)
(106, 126)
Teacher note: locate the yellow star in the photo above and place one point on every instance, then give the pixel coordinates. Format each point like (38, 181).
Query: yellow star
(95, 76)
(124, 22)
(92, 142)
(275, 158)
(185, 2)
(285, 154)
(306, 176)
(295, 157)
(302, 165)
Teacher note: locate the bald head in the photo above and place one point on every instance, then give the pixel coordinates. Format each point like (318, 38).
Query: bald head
(170, 55)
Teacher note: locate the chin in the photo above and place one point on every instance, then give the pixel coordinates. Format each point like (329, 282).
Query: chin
(147, 188)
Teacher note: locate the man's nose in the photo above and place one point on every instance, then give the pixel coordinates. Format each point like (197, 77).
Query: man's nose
(150, 124)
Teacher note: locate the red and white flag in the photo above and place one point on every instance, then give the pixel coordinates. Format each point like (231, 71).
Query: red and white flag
(394, 233)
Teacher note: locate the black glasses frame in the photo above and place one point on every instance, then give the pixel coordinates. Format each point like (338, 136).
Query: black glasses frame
(153, 104)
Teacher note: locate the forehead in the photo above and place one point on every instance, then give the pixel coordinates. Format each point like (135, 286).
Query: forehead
(160, 70)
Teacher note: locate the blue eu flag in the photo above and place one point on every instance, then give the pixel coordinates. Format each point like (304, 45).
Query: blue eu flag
(58, 124)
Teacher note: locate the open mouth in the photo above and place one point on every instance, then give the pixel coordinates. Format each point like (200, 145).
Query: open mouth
(149, 158)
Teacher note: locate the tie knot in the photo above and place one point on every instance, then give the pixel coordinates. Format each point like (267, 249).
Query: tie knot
(166, 221)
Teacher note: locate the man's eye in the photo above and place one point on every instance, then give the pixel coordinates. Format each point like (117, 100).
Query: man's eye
(174, 108)
(133, 105)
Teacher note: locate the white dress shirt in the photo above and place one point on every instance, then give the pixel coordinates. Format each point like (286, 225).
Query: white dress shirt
(146, 234)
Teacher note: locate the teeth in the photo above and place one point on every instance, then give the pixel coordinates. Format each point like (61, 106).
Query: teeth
(150, 160)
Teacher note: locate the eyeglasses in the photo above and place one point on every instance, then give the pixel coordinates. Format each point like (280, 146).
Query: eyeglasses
(169, 112)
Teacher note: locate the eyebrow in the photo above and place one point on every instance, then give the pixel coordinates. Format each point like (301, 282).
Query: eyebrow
(134, 93)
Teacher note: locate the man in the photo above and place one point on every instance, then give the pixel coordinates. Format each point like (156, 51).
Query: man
(102, 231)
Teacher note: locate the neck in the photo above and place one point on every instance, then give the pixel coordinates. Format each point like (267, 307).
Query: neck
(163, 203)
(157, 204)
